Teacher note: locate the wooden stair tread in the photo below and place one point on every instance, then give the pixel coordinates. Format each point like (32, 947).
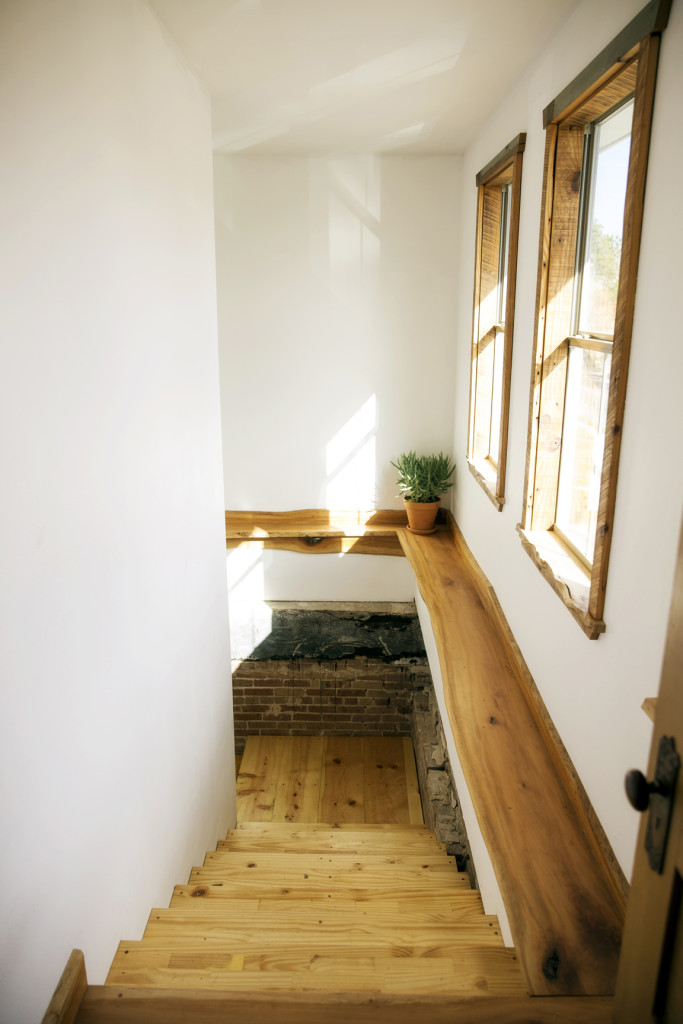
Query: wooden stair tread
(309, 940)
(463, 905)
(368, 881)
(234, 860)
(103, 1004)
(475, 970)
(358, 848)
(330, 841)
(268, 827)
(460, 901)
(394, 894)
(384, 932)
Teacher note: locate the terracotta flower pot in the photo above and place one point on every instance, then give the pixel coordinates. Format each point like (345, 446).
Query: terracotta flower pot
(421, 515)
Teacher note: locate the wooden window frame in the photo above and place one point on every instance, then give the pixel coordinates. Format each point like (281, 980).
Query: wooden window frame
(504, 169)
(627, 65)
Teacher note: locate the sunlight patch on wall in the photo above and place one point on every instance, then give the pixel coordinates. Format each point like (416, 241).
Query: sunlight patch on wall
(246, 589)
(245, 573)
(351, 461)
(354, 223)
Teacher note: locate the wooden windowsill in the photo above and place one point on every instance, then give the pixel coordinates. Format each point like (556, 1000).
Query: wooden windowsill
(486, 476)
(563, 891)
(565, 574)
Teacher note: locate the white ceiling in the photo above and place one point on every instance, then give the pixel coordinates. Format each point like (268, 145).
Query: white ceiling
(331, 76)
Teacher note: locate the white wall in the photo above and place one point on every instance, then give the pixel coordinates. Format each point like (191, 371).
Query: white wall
(116, 723)
(593, 689)
(336, 305)
(270, 575)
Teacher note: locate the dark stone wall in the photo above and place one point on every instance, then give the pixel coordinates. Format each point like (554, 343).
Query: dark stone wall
(440, 803)
(331, 635)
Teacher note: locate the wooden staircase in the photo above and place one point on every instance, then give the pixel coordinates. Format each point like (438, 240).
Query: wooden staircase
(316, 907)
(303, 922)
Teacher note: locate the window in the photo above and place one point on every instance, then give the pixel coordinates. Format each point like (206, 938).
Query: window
(594, 182)
(499, 186)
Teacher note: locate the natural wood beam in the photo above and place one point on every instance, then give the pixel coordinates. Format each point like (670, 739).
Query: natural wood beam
(373, 544)
(313, 522)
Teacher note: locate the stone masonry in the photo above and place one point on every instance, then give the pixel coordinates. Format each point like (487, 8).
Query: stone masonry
(440, 803)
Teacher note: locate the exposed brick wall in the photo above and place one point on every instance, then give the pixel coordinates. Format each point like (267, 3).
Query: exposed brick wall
(308, 697)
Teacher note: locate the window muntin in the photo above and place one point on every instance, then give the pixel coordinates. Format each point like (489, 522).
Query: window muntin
(495, 266)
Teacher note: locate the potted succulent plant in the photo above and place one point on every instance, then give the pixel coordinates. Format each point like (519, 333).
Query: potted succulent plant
(422, 479)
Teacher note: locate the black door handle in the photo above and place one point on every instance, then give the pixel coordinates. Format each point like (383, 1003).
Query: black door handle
(638, 789)
(658, 796)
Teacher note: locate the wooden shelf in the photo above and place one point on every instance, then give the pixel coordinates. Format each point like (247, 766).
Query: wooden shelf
(312, 522)
(317, 531)
(563, 892)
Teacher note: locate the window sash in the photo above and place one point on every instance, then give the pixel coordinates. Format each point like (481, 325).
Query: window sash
(499, 187)
(631, 69)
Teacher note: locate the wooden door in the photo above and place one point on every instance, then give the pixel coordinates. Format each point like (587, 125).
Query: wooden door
(650, 978)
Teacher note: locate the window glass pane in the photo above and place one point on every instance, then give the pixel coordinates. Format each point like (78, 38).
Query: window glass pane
(583, 440)
(497, 396)
(605, 222)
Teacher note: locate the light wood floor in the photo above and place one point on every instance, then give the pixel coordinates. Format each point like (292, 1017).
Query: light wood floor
(330, 779)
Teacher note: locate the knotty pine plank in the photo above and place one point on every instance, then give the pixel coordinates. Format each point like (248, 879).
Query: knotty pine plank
(331, 841)
(300, 775)
(233, 862)
(275, 934)
(477, 969)
(112, 1004)
(564, 910)
(464, 906)
(366, 828)
(385, 795)
(258, 779)
(341, 794)
(314, 888)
